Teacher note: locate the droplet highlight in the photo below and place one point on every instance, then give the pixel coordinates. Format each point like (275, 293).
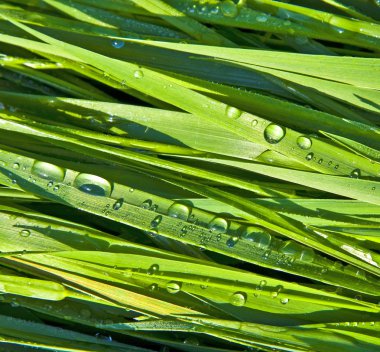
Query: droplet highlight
(48, 171)
(274, 133)
(93, 185)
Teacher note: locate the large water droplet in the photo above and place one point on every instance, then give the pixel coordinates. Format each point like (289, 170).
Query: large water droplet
(355, 173)
(48, 171)
(117, 44)
(238, 299)
(259, 236)
(298, 251)
(274, 133)
(180, 211)
(229, 8)
(218, 224)
(25, 233)
(304, 142)
(232, 112)
(138, 74)
(173, 287)
(93, 185)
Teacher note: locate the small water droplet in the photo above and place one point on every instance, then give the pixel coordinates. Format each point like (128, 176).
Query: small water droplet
(147, 204)
(274, 133)
(118, 204)
(320, 161)
(173, 287)
(229, 8)
(309, 156)
(218, 224)
(355, 173)
(238, 299)
(117, 44)
(156, 221)
(25, 233)
(336, 167)
(153, 287)
(232, 241)
(56, 188)
(180, 211)
(232, 112)
(304, 142)
(93, 185)
(277, 291)
(259, 236)
(267, 254)
(284, 300)
(50, 183)
(16, 166)
(153, 269)
(254, 123)
(262, 18)
(138, 74)
(262, 284)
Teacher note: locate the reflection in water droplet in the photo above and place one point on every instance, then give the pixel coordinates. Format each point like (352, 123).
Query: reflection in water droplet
(304, 142)
(117, 44)
(180, 211)
(232, 112)
(309, 156)
(138, 74)
(16, 166)
(229, 8)
(218, 224)
(118, 204)
(92, 184)
(156, 221)
(232, 241)
(355, 173)
(173, 287)
(274, 133)
(56, 188)
(259, 236)
(238, 299)
(153, 269)
(48, 171)
(284, 300)
(25, 233)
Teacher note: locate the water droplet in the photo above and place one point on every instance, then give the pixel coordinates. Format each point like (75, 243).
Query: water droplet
(262, 18)
(259, 236)
(173, 287)
(309, 156)
(156, 221)
(232, 112)
(146, 204)
(218, 224)
(277, 291)
(50, 183)
(355, 173)
(254, 123)
(274, 133)
(180, 211)
(25, 233)
(298, 251)
(16, 166)
(320, 161)
(304, 142)
(118, 204)
(56, 188)
(266, 254)
(153, 287)
(48, 171)
(262, 284)
(117, 44)
(138, 74)
(232, 241)
(153, 269)
(238, 299)
(284, 300)
(229, 8)
(336, 167)
(92, 184)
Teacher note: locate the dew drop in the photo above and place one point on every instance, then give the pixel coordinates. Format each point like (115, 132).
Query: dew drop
(93, 185)
(48, 171)
(118, 44)
(56, 188)
(355, 173)
(173, 287)
(218, 224)
(180, 211)
(50, 183)
(153, 269)
(153, 287)
(304, 142)
(277, 291)
(262, 18)
(156, 221)
(138, 74)
(298, 251)
(25, 233)
(260, 237)
(16, 166)
(274, 133)
(254, 123)
(146, 204)
(284, 300)
(118, 204)
(320, 161)
(262, 284)
(309, 156)
(238, 299)
(229, 8)
(232, 241)
(232, 112)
